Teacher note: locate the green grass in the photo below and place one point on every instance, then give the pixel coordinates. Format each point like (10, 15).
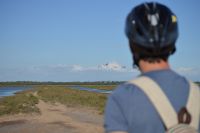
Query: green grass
(20, 103)
(25, 102)
(101, 87)
(72, 97)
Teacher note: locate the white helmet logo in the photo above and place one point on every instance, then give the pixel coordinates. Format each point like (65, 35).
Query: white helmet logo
(153, 19)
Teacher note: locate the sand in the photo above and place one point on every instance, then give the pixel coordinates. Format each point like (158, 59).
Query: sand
(54, 118)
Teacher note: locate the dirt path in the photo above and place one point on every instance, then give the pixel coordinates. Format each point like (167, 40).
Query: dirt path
(54, 119)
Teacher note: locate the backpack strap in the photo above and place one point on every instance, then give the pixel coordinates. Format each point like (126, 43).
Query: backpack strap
(193, 104)
(163, 105)
(158, 99)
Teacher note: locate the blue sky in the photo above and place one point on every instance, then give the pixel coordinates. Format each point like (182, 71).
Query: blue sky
(76, 40)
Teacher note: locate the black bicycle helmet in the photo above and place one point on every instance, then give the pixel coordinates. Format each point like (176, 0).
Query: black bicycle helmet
(152, 30)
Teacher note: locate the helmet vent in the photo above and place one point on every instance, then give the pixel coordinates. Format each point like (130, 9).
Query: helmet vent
(146, 6)
(139, 31)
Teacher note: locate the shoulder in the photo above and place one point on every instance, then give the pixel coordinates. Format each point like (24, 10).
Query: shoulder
(124, 89)
(126, 92)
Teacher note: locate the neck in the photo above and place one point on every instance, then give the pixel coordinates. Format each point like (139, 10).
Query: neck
(147, 67)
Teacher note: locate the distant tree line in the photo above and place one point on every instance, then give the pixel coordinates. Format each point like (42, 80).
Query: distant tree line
(26, 83)
(198, 83)
(22, 83)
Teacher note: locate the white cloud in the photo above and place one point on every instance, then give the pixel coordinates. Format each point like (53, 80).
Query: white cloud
(191, 73)
(61, 72)
(189, 70)
(77, 68)
(112, 67)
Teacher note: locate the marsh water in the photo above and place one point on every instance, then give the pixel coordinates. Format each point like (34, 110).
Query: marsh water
(91, 89)
(9, 91)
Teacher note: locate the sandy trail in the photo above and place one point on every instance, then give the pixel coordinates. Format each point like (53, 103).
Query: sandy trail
(54, 119)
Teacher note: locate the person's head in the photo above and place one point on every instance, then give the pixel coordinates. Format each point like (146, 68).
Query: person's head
(152, 32)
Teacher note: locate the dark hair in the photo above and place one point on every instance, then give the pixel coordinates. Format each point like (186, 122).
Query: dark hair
(150, 55)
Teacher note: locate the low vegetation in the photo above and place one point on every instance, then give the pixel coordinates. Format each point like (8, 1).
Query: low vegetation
(101, 87)
(70, 97)
(25, 102)
(198, 83)
(20, 103)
